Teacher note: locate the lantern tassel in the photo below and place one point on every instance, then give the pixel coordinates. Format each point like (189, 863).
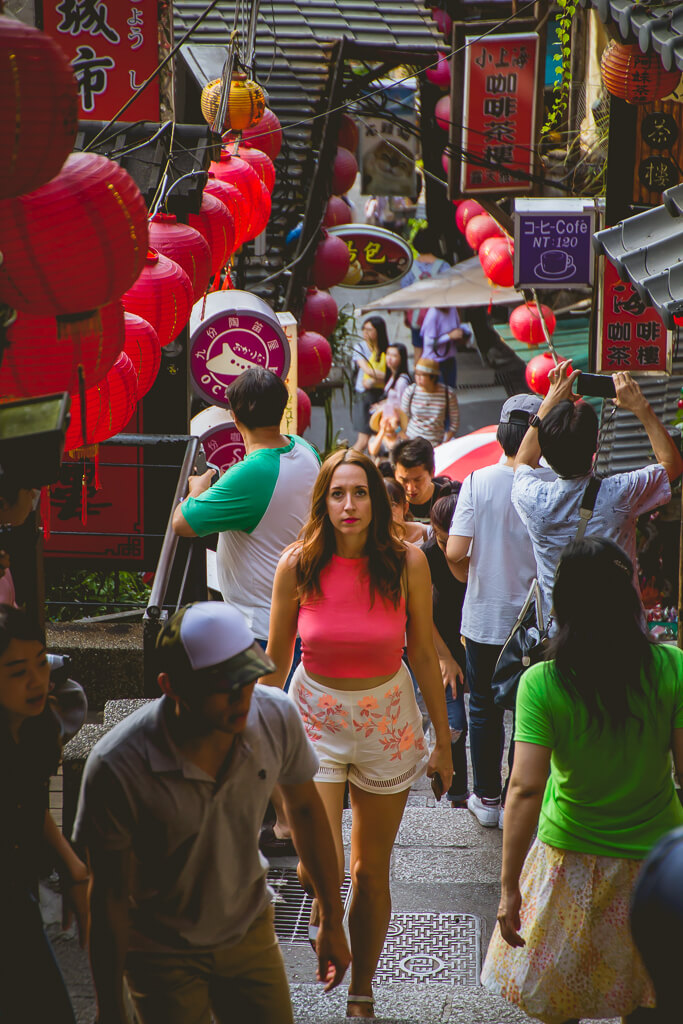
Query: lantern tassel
(98, 485)
(45, 498)
(84, 494)
(79, 327)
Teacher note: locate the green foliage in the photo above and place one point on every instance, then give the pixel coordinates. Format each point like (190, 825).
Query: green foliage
(94, 592)
(563, 59)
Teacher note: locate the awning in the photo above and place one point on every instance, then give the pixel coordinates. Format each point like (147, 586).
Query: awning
(464, 285)
(657, 27)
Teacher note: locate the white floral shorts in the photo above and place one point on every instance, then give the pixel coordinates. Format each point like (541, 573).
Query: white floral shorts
(373, 737)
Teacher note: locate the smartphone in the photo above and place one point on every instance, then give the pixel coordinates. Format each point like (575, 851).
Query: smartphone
(437, 786)
(595, 385)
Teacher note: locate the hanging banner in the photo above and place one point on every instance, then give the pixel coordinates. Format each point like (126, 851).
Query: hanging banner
(378, 256)
(113, 49)
(499, 113)
(632, 335)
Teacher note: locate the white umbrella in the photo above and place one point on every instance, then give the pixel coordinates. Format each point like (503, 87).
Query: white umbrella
(465, 284)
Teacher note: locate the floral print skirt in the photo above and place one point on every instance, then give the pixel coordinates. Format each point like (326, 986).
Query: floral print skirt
(579, 960)
(373, 738)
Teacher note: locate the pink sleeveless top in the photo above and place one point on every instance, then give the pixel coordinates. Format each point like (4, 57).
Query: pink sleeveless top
(341, 635)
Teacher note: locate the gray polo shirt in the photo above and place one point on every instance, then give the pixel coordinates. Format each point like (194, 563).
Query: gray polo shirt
(198, 878)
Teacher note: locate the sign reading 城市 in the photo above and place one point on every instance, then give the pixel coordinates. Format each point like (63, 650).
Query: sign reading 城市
(553, 243)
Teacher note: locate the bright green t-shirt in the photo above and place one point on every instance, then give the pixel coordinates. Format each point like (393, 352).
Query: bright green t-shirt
(608, 793)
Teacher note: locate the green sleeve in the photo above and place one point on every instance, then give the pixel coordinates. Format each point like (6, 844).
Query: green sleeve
(533, 718)
(673, 666)
(239, 500)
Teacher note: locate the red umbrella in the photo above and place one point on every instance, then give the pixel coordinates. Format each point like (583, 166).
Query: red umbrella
(462, 455)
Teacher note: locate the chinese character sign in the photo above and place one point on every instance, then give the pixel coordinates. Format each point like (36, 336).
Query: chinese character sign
(499, 113)
(632, 335)
(112, 46)
(377, 256)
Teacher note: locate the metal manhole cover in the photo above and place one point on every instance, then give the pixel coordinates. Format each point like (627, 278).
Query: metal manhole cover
(431, 947)
(293, 906)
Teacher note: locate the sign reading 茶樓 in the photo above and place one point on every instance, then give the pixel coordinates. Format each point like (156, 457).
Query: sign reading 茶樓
(631, 335)
(553, 243)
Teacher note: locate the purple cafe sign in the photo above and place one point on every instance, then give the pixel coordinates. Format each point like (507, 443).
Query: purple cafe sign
(229, 333)
(553, 243)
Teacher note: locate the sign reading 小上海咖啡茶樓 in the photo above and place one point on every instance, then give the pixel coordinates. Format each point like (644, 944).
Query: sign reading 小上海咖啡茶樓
(553, 243)
(631, 335)
(377, 256)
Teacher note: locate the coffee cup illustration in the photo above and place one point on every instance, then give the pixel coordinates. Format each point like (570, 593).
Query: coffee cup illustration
(555, 263)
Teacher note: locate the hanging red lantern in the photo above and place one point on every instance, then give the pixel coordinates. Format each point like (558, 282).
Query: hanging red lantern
(441, 74)
(162, 295)
(266, 135)
(36, 362)
(260, 214)
(144, 351)
(442, 113)
(344, 171)
(496, 258)
(526, 326)
(443, 22)
(337, 212)
(261, 163)
(320, 313)
(348, 133)
(314, 358)
(234, 202)
(537, 373)
(215, 224)
(635, 76)
(108, 406)
(446, 161)
(185, 245)
(74, 244)
(38, 108)
(238, 172)
(303, 411)
(465, 210)
(330, 262)
(479, 228)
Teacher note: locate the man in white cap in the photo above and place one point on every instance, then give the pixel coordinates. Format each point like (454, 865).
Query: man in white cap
(488, 535)
(169, 813)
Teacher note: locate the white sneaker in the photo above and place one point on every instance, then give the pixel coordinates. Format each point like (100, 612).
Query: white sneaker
(501, 814)
(487, 814)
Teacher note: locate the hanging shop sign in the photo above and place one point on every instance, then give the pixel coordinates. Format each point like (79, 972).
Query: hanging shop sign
(499, 113)
(113, 49)
(553, 243)
(388, 149)
(230, 332)
(221, 440)
(632, 335)
(378, 256)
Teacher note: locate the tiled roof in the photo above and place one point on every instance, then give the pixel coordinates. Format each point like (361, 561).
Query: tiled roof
(657, 27)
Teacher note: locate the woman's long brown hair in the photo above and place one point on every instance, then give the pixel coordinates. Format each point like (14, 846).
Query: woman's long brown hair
(385, 551)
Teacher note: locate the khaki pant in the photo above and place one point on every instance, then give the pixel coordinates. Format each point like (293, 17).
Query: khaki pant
(242, 983)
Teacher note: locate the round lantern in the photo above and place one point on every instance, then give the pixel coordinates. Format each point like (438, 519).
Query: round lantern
(238, 173)
(234, 202)
(109, 405)
(446, 161)
(495, 256)
(214, 223)
(303, 411)
(348, 133)
(186, 246)
(74, 244)
(465, 210)
(480, 227)
(344, 171)
(443, 22)
(330, 262)
(38, 108)
(537, 373)
(337, 212)
(634, 76)
(266, 135)
(37, 362)
(314, 358)
(441, 74)
(162, 295)
(245, 108)
(261, 163)
(260, 214)
(526, 326)
(144, 351)
(320, 313)
(442, 113)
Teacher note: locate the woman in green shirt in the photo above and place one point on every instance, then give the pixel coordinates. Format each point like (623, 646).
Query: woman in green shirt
(595, 729)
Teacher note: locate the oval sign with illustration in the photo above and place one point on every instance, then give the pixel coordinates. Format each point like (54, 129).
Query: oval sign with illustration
(378, 256)
(223, 446)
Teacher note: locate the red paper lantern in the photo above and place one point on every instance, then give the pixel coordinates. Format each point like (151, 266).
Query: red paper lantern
(330, 262)
(162, 295)
(144, 351)
(238, 172)
(185, 245)
(446, 161)
(38, 108)
(314, 358)
(74, 244)
(109, 405)
(495, 256)
(261, 163)
(348, 133)
(526, 326)
(215, 223)
(443, 22)
(481, 227)
(260, 214)
(320, 313)
(344, 171)
(634, 76)
(303, 411)
(465, 210)
(537, 371)
(267, 134)
(235, 203)
(337, 212)
(441, 74)
(37, 362)
(442, 113)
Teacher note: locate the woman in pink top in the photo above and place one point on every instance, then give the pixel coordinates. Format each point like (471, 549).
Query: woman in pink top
(355, 591)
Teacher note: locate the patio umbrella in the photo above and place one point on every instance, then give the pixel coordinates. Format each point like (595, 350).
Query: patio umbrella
(465, 284)
(462, 455)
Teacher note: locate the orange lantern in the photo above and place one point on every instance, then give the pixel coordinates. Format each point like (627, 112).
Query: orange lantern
(246, 103)
(635, 76)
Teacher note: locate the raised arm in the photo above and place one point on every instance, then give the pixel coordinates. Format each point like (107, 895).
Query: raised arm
(561, 381)
(629, 396)
(284, 613)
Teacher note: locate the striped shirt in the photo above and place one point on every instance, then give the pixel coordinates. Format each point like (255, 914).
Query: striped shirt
(429, 412)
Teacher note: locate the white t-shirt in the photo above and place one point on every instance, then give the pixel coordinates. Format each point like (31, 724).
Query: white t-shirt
(502, 563)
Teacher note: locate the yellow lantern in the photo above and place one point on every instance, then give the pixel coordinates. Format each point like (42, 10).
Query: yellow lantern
(246, 104)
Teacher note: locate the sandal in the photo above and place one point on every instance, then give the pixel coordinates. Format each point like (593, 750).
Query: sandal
(362, 1000)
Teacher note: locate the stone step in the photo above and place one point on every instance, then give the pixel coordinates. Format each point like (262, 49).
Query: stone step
(107, 657)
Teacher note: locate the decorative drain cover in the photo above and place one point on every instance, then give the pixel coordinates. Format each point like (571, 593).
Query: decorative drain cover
(431, 947)
(293, 906)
